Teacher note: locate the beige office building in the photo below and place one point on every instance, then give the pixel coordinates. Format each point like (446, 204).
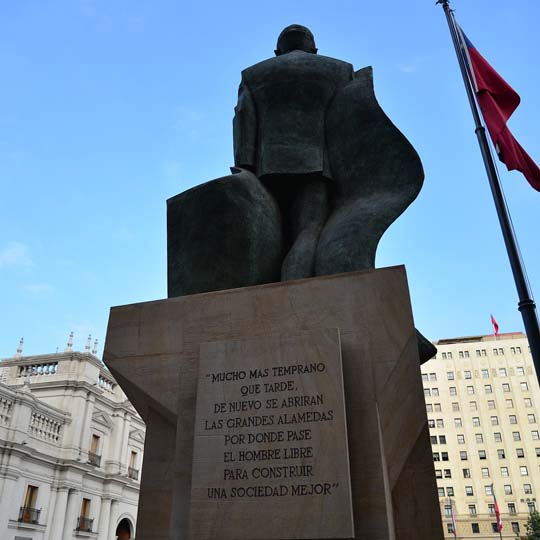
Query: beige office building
(483, 405)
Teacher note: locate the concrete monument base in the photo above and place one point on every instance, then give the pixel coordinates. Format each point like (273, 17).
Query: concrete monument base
(349, 445)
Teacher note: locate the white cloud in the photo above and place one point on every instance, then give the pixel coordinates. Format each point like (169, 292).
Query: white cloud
(38, 288)
(15, 254)
(407, 68)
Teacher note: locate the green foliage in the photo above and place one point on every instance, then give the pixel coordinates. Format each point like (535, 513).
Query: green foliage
(533, 527)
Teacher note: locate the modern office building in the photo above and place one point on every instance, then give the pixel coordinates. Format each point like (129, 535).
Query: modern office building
(483, 406)
(71, 446)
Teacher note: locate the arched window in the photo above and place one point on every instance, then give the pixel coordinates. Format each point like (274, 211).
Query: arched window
(123, 531)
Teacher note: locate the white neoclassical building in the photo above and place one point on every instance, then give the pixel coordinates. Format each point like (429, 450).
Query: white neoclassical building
(71, 447)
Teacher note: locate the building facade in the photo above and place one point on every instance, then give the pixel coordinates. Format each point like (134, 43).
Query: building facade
(71, 446)
(483, 405)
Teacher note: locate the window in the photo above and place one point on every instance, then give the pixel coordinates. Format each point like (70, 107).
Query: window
(484, 352)
(478, 353)
(442, 439)
(450, 375)
(479, 438)
(491, 508)
(491, 404)
(504, 471)
(506, 387)
(440, 491)
(501, 454)
(435, 392)
(524, 386)
(28, 513)
(436, 456)
(509, 404)
(520, 370)
(485, 472)
(427, 392)
(449, 355)
(513, 350)
(485, 373)
(84, 523)
(488, 388)
(476, 421)
(461, 354)
(447, 473)
(527, 489)
(511, 508)
(497, 436)
(429, 407)
(469, 491)
(433, 439)
(516, 435)
(438, 473)
(457, 422)
(523, 470)
(450, 527)
(444, 355)
(463, 456)
(494, 527)
(437, 407)
(466, 473)
(535, 435)
(531, 418)
(444, 456)
(515, 527)
(501, 352)
(494, 420)
(481, 454)
(537, 450)
(531, 506)
(470, 390)
(473, 406)
(453, 391)
(495, 352)
(502, 372)
(448, 510)
(472, 509)
(488, 490)
(431, 423)
(432, 376)
(513, 419)
(518, 350)
(507, 490)
(475, 528)
(467, 374)
(528, 402)
(440, 422)
(455, 406)
(450, 491)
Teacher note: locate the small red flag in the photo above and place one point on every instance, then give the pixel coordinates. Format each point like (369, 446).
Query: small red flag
(497, 511)
(498, 100)
(495, 325)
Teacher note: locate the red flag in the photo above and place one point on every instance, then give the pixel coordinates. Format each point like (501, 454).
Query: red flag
(495, 325)
(497, 511)
(498, 100)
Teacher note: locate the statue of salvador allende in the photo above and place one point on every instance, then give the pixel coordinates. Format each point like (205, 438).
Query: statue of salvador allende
(320, 174)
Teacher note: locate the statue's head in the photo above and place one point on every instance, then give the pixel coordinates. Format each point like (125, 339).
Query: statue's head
(295, 38)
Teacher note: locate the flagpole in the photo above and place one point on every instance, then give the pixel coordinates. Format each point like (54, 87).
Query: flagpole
(526, 304)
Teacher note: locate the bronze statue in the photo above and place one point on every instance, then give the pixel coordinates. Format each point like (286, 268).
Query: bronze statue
(320, 174)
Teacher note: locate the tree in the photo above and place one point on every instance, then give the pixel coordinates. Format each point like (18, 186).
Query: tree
(533, 527)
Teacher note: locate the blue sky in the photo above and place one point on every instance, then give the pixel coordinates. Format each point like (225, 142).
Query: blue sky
(108, 108)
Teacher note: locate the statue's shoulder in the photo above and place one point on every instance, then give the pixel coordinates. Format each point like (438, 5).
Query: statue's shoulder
(299, 60)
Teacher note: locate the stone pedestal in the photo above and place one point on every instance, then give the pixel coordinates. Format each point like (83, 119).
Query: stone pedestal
(159, 352)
